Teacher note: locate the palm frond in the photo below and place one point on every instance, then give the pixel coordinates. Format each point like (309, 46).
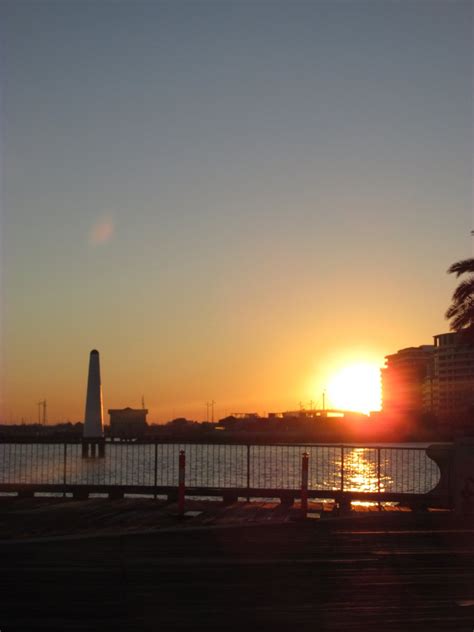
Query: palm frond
(461, 311)
(452, 311)
(461, 317)
(464, 290)
(461, 267)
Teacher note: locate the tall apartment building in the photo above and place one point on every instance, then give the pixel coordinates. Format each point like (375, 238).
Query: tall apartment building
(449, 386)
(437, 379)
(403, 379)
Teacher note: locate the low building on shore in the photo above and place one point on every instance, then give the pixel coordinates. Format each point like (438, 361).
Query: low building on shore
(128, 423)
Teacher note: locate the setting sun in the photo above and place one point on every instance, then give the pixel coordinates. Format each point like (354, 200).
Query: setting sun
(356, 387)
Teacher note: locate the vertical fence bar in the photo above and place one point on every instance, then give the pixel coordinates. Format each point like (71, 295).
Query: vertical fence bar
(64, 468)
(181, 481)
(248, 472)
(155, 473)
(402, 452)
(226, 465)
(39, 456)
(342, 468)
(304, 484)
(39, 466)
(378, 476)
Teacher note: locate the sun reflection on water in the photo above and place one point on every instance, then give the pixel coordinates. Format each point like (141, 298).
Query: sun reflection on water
(362, 471)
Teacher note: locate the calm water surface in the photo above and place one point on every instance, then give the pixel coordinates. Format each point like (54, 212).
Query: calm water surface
(388, 468)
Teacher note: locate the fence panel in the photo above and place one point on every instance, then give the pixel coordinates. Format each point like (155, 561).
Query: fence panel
(227, 466)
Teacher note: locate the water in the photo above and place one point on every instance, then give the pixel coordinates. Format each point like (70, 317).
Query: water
(387, 468)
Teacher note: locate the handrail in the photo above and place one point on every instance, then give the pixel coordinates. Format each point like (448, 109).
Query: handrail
(177, 441)
(344, 467)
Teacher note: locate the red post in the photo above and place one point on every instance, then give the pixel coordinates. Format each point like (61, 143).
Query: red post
(304, 484)
(181, 481)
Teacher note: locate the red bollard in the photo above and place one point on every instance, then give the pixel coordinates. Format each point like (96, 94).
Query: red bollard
(304, 484)
(181, 481)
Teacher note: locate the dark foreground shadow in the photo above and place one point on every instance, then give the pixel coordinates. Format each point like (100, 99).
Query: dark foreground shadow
(287, 577)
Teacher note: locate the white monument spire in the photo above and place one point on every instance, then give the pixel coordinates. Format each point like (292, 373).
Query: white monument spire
(94, 417)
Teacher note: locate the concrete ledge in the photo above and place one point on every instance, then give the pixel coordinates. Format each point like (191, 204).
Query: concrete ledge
(286, 496)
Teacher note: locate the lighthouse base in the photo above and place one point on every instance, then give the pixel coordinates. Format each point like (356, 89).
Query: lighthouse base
(93, 448)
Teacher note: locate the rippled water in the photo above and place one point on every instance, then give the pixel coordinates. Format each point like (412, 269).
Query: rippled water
(386, 468)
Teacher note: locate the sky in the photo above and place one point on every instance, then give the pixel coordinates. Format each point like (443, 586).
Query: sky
(230, 200)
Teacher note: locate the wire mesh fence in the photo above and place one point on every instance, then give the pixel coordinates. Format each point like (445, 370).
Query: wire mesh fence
(223, 466)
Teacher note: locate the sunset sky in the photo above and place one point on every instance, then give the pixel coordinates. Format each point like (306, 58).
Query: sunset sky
(230, 200)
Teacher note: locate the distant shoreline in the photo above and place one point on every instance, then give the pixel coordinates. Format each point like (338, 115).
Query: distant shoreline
(238, 437)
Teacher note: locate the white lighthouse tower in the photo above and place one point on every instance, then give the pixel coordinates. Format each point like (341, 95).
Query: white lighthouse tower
(93, 434)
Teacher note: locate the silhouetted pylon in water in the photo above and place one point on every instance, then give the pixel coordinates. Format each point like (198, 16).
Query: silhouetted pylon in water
(93, 434)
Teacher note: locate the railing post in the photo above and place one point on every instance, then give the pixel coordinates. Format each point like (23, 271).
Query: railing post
(444, 457)
(155, 475)
(181, 481)
(304, 484)
(248, 472)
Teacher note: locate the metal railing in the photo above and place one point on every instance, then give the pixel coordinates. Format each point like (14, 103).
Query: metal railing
(153, 466)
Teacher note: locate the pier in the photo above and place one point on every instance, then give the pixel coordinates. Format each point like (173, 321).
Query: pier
(287, 547)
(406, 572)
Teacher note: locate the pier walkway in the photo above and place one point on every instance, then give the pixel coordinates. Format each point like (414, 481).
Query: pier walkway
(376, 571)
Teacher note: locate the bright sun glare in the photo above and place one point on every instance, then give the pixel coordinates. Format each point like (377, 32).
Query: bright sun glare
(356, 387)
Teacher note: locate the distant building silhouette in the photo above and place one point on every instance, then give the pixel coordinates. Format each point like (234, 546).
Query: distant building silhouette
(128, 423)
(449, 387)
(403, 380)
(436, 379)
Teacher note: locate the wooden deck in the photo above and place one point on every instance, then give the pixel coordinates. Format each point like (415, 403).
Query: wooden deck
(133, 565)
(51, 517)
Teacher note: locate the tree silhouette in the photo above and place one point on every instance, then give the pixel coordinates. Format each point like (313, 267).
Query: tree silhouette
(461, 310)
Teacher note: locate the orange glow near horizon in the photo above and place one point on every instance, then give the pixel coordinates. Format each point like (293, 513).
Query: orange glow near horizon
(356, 387)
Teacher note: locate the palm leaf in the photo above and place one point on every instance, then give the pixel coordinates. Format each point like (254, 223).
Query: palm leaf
(461, 311)
(461, 316)
(464, 291)
(461, 267)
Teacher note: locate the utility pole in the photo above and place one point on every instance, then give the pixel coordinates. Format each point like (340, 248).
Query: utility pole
(42, 407)
(212, 411)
